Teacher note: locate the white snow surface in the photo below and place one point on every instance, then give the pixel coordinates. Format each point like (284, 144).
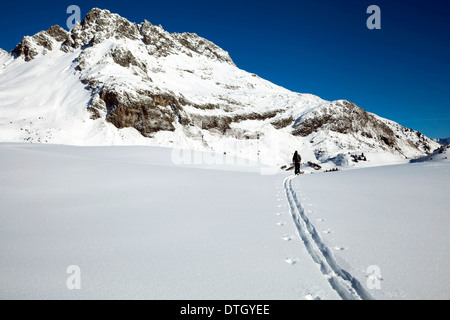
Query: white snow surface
(394, 217)
(141, 224)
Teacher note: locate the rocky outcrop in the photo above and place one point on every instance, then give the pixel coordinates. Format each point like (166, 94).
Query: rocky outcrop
(148, 116)
(161, 43)
(203, 47)
(58, 33)
(150, 112)
(41, 42)
(345, 117)
(98, 26)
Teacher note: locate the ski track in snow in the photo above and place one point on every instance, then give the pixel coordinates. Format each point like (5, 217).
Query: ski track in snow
(346, 286)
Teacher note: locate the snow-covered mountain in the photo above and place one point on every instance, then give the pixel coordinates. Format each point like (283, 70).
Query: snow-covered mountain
(109, 81)
(443, 141)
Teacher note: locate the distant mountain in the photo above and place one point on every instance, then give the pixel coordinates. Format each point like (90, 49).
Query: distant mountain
(109, 81)
(443, 141)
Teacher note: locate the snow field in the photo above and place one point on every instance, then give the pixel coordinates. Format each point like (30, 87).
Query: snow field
(140, 226)
(392, 220)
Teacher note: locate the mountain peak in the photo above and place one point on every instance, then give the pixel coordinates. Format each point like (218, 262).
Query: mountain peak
(41, 43)
(96, 13)
(101, 18)
(100, 25)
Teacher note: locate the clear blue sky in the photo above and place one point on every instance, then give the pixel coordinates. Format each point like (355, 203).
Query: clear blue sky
(323, 47)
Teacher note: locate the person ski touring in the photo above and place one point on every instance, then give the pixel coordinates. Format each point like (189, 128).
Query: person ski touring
(296, 160)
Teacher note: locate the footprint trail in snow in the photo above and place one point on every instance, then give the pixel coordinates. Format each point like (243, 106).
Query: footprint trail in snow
(345, 285)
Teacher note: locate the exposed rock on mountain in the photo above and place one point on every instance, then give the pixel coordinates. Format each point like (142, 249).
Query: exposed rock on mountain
(41, 43)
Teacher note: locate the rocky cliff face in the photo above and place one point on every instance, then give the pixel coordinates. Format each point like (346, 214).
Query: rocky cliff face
(41, 43)
(347, 118)
(176, 85)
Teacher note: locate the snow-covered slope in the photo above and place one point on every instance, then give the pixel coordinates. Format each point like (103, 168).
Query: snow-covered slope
(110, 81)
(441, 154)
(139, 226)
(386, 226)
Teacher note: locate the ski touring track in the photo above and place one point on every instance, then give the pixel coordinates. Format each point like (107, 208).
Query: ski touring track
(345, 285)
